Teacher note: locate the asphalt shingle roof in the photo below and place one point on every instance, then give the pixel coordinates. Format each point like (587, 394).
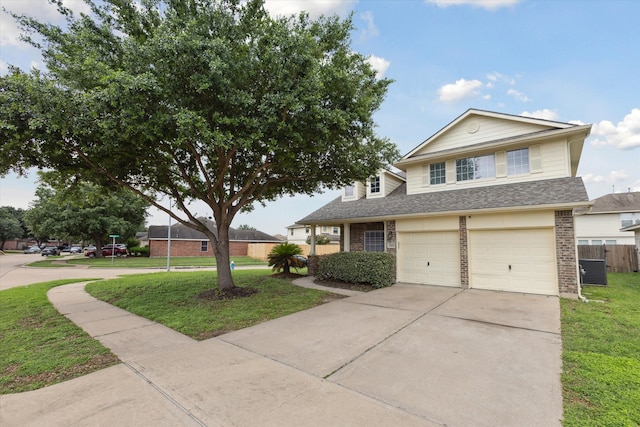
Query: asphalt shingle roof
(182, 232)
(551, 192)
(618, 202)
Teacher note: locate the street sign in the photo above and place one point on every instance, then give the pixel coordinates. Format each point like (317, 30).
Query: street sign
(114, 235)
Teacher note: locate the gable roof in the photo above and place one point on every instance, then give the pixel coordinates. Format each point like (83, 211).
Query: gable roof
(559, 193)
(617, 202)
(545, 124)
(182, 232)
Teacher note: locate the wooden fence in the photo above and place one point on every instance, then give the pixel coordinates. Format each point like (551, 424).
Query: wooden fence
(619, 258)
(261, 250)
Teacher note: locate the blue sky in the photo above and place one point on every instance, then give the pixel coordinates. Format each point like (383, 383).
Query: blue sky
(570, 61)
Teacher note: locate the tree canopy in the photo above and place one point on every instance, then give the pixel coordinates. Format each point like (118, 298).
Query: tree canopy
(210, 100)
(84, 211)
(10, 225)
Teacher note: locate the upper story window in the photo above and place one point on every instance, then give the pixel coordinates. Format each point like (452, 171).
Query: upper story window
(292, 231)
(475, 168)
(518, 161)
(437, 174)
(628, 219)
(374, 185)
(349, 191)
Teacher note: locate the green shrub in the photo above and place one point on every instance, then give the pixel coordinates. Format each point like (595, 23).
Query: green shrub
(284, 256)
(373, 268)
(139, 251)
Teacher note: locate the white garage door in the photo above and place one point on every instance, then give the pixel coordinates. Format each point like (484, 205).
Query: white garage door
(431, 258)
(513, 260)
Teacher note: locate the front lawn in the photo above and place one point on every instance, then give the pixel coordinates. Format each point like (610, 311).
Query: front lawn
(140, 262)
(601, 354)
(174, 299)
(39, 346)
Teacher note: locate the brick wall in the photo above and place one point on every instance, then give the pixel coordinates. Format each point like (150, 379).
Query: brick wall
(192, 248)
(391, 245)
(566, 252)
(464, 253)
(357, 234)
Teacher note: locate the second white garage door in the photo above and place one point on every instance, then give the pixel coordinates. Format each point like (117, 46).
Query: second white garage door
(513, 260)
(431, 258)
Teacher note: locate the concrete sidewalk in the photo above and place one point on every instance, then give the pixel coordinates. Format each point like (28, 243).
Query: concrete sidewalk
(405, 355)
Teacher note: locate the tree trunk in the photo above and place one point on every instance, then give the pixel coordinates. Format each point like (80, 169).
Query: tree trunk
(98, 239)
(225, 279)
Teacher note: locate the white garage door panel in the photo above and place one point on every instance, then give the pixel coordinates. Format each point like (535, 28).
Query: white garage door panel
(529, 253)
(429, 258)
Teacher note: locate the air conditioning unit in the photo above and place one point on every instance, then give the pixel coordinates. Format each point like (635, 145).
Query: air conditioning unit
(593, 271)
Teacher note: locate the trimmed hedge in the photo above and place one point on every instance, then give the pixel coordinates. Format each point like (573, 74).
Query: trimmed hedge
(139, 251)
(372, 268)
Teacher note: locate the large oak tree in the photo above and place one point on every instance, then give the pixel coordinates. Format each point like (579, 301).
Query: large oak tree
(210, 100)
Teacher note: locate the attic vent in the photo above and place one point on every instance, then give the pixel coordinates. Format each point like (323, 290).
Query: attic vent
(473, 127)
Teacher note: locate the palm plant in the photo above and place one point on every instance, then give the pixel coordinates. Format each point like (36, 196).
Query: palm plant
(284, 256)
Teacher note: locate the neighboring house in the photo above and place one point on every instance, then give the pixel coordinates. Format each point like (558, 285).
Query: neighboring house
(299, 234)
(636, 235)
(186, 241)
(486, 203)
(601, 225)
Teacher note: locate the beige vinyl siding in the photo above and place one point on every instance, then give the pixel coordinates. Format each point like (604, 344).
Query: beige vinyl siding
(489, 129)
(555, 161)
(552, 159)
(442, 223)
(390, 183)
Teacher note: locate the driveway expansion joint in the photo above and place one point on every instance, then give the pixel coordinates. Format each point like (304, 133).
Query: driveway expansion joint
(164, 394)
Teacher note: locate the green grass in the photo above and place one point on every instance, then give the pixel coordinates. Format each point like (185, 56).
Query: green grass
(601, 354)
(141, 262)
(39, 346)
(172, 299)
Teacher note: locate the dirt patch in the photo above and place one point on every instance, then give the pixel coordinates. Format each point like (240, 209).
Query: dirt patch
(227, 294)
(289, 275)
(362, 287)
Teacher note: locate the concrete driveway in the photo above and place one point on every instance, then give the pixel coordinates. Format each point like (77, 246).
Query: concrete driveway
(405, 355)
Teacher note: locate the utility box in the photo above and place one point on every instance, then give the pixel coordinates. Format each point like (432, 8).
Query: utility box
(593, 271)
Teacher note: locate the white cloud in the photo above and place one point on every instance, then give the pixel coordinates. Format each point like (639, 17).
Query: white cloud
(541, 114)
(611, 178)
(461, 89)
(371, 29)
(379, 64)
(518, 95)
(45, 12)
(314, 8)
(485, 4)
(497, 77)
(624, 135)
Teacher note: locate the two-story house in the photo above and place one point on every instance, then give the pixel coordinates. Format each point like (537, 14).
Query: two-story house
(299, 234)
(486, 203)
(601, 224)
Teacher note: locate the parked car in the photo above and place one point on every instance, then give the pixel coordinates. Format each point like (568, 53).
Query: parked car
(120, 250)
(33, 250)
(50, 250)
(302, 260)
(75, 249)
